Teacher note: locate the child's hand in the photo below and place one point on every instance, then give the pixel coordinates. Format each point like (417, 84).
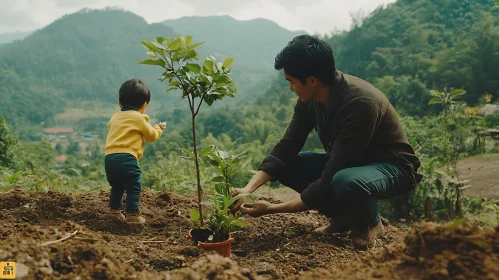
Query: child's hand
(162, 125)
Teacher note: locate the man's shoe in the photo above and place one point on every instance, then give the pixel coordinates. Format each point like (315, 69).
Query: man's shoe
(134, 217)
(366, 239)
(341, 225)
(116, 214)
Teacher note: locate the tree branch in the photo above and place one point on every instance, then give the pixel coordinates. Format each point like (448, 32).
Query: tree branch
(202, 98)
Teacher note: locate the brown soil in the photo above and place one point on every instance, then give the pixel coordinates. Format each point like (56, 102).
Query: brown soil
(280, 246)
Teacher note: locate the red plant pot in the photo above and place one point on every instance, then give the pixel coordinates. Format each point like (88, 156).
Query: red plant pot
(222, 248)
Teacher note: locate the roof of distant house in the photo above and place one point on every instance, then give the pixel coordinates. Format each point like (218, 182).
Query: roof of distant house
(58, 130)
(61, 158)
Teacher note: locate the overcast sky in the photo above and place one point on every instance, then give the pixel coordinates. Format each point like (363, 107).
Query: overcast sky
(316, 16)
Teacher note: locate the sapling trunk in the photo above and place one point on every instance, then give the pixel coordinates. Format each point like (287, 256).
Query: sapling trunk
(197, 165)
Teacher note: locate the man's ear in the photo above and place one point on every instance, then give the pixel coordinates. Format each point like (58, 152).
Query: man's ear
(312, 81)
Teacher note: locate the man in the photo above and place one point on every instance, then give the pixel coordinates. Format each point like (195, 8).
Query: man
(367, 154)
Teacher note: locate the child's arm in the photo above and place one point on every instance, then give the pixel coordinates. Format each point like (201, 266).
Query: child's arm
(151, 133)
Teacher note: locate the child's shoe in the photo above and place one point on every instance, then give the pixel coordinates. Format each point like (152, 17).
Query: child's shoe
(116, 213)
(134, 217)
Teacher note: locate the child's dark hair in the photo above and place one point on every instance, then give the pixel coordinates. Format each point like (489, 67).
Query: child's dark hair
(307, 56)
(134, 93)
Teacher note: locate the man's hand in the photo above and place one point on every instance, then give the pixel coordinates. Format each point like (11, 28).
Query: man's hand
(257, 209)
(241, 192)
(260, 178)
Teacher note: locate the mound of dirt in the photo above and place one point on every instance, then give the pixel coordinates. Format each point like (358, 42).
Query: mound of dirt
(428, 251)
(461, 251)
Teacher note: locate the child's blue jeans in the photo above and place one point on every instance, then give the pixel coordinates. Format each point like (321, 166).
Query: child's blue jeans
(124, 175)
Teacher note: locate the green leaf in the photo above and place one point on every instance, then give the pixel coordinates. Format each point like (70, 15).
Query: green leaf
(196, 45)
(191, 54)
(219, 189)
(228, 62)
(436, 93)
(218, 179)
(434, 100)
(175, 44)
(151, 54)
(148, 45)
(188, 40)
(238, 223)
(158, 62)
(174, 83)
(457, 92)
(206, 79)
(215, 201)
(208, 101)
(223, 79)
(194, 68)
(170, 89)
(496, 6)
(195, 215)
(167, 75)
(189, 153)
(160, 39)
(208, 67)
(232, 200)
(232, 89)
(158, 45)
(205, 151)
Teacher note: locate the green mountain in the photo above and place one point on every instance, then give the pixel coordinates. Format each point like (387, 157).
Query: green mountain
(413, 46)
(80, 57)
(252, 43)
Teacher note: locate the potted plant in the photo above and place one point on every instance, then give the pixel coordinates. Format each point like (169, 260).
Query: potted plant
(216, 234)
(198, 83)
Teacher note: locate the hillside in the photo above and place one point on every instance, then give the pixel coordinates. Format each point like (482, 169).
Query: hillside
(80, 57)
(413, 46)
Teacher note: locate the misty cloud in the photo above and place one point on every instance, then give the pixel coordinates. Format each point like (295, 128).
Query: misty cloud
(314, 16)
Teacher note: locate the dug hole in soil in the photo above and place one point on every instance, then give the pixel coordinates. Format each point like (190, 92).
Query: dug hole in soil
(280, 246)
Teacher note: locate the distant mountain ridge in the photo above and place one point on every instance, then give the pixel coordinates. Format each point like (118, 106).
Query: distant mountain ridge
(253, 43)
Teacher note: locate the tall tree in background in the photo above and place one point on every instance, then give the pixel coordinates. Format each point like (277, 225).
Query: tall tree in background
(7, 142)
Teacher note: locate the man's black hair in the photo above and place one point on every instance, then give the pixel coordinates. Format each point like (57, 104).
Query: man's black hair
(307, 56)
(134, 93)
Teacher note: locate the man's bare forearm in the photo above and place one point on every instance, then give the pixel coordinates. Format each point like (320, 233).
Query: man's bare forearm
(260, 178)
(292, 206)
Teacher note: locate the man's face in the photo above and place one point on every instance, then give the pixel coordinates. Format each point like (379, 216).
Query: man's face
(304, 91)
